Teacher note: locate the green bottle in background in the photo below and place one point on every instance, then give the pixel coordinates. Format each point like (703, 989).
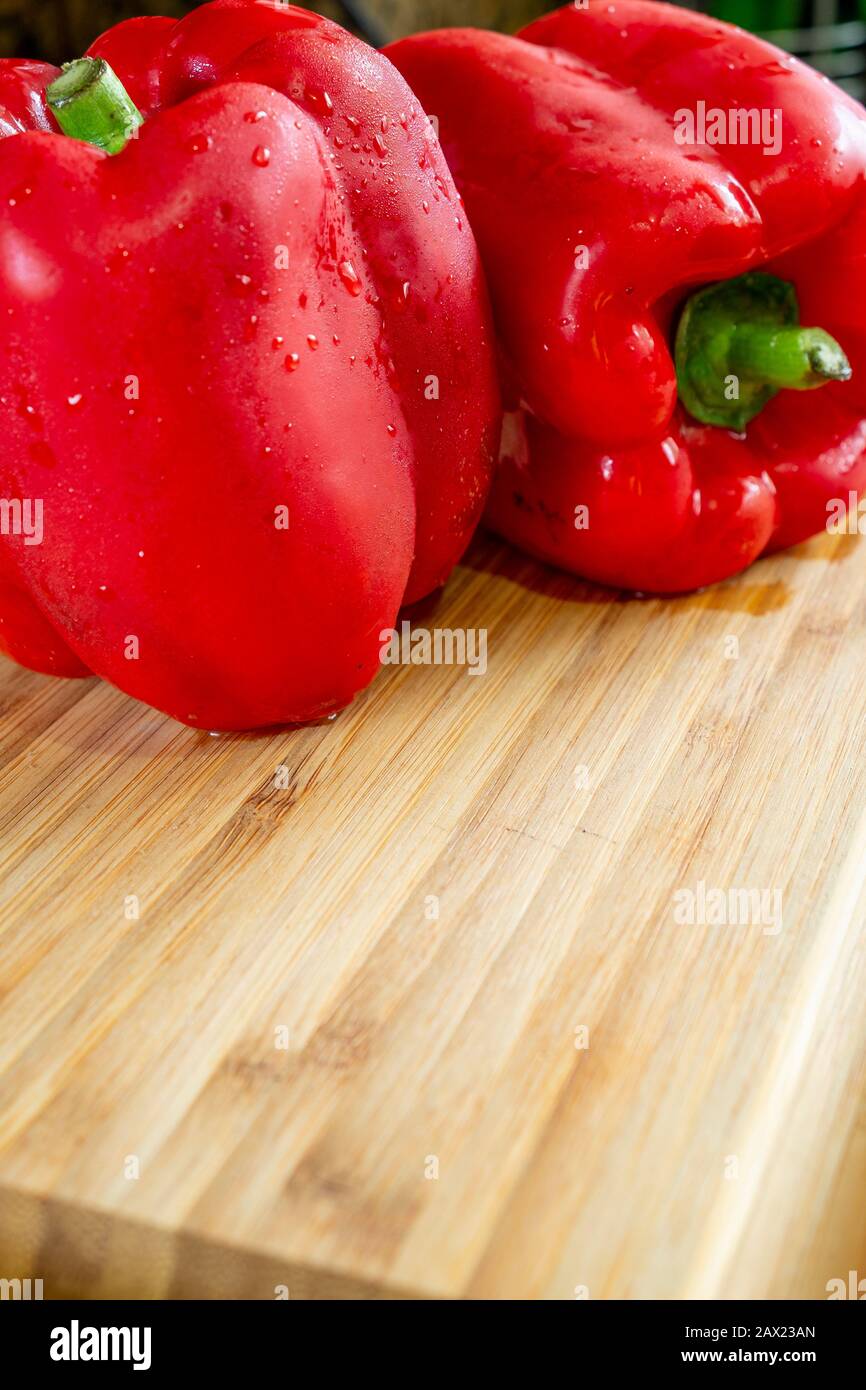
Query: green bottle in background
(763, 16)
(829, 34)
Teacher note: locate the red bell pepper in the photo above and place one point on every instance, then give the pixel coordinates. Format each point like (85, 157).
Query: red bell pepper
(656, 195)
(247, 368)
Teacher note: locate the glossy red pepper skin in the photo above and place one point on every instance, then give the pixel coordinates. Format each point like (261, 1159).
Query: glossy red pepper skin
(563, 138)
(268, 308)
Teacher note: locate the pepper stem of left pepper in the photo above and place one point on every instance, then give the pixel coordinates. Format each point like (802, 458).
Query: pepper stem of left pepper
(90, 103)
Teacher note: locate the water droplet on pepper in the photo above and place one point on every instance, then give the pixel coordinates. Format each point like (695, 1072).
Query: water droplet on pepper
(349, 277)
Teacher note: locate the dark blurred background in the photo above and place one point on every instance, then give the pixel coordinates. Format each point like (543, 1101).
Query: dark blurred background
(831, 34)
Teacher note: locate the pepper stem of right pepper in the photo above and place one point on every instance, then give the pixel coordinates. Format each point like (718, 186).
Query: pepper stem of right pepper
(740, 342)
(90, 103)
(799, 359)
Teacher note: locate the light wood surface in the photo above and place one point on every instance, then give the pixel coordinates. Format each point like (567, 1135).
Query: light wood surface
(710, 1139)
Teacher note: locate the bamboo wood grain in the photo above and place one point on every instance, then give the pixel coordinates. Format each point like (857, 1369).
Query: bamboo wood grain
(709, 1141)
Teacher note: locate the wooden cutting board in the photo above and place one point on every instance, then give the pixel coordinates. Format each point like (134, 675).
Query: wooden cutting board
(424, 1018)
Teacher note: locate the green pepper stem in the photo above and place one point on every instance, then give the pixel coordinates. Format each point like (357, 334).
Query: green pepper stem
(90, 103)
(799, 359)
(740, 342)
